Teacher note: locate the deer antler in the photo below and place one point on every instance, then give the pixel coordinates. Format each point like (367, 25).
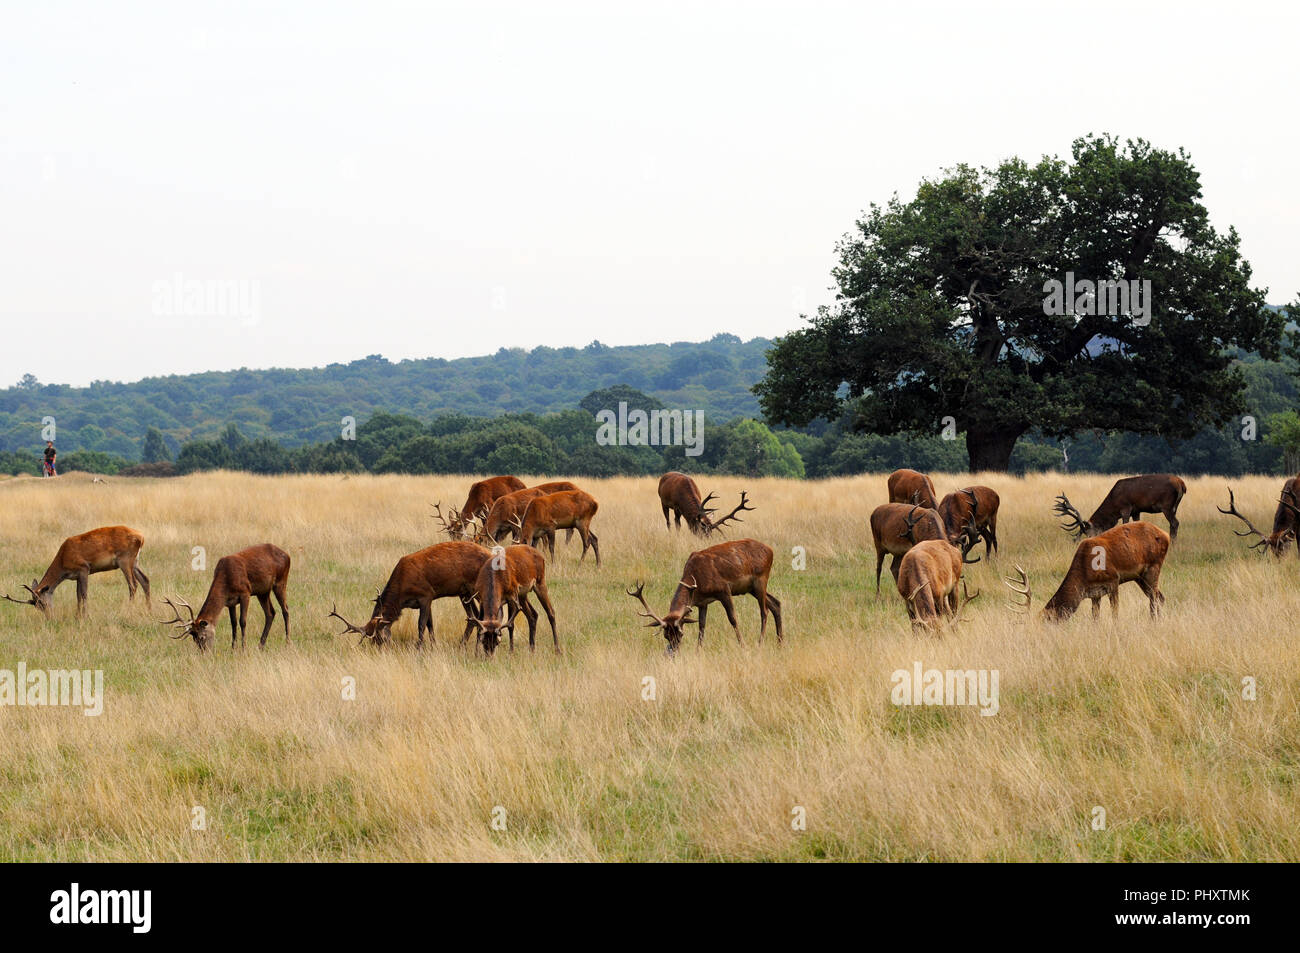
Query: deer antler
(1074, 519)
(1021, 586)
(453, 527)
(1232, 511)
(911, 519)
(334, 613)
(966, 600)
(639, 594)
(704, 503)
(740, 508)
(24, 602)
(182, 624)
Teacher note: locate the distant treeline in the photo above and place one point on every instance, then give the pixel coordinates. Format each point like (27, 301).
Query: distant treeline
(294, 408)
(565, 443)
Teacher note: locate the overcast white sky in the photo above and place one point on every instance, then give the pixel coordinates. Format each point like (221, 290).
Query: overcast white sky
(423, 179)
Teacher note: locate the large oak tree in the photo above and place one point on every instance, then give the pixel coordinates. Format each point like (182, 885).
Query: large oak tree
(941, 308)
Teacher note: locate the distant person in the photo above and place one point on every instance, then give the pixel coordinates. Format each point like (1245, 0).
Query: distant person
(50, 454)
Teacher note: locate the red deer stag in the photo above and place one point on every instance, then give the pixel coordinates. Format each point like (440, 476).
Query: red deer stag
(1133, 552)
(974, 504)
(680, 499)
(1285, 522)
(909, 486)
(80, 557)
(503, 583)
(480, 499)
(716, 574)
(440, 571)
(897, 527)
(1129, 497)
(509, 509)
(568, 509)
(927, 581)
(257, 571)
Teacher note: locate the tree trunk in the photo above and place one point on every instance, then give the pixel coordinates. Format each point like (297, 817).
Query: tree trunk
(991, 449)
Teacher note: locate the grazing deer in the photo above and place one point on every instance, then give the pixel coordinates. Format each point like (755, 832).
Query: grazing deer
(257, 571)
(715, 575)
(1132, 552)
(440, 571)
(897, 527)
(909, 486)
(481, 497)
(977, 505)
(503, 583)
(1127, 499)
(1285, 521)
(568, 509)
(509, 509)
(927, 581)
(80, 557)
(680, 496)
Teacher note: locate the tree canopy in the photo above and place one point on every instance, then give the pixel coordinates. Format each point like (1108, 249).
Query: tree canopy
(943, 314)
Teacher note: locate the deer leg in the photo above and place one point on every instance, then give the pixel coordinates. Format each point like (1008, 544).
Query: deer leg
(128, 570)
(143, 580)
(424, 620)
(759, 592)
(880, 561)
(1150, 585)
(531, 615)
(668, 522)
(545, 599)
(895, 563)
(1114, 601)
(281, 596)
(234, 628)
(704, 614)
(1096, 608)
(268, 610)
(1172, 516)
(729, 607)
(595, 545)
(774, 606)
(83, 590)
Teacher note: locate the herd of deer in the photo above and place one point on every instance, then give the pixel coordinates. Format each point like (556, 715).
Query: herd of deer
(928, 539)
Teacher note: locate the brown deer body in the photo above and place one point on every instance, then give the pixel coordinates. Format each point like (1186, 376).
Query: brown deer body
(1286, 520)
(504, 583)
(896, 528)
(910, 486)
(977, 504)
(716, 574)
(80, 557)
(1127, 499)
(441, 571)
(509, 509)
(480, 499)
(679, 498)
(1131, 552)
(567, 509)
(927, 581)
(258, 571)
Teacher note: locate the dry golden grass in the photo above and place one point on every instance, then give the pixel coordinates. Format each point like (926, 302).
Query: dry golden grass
(1146, 720)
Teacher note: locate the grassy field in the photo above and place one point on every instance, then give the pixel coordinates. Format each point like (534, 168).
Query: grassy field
(1145, 720)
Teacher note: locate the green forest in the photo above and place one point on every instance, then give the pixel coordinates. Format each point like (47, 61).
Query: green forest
(533, 412)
